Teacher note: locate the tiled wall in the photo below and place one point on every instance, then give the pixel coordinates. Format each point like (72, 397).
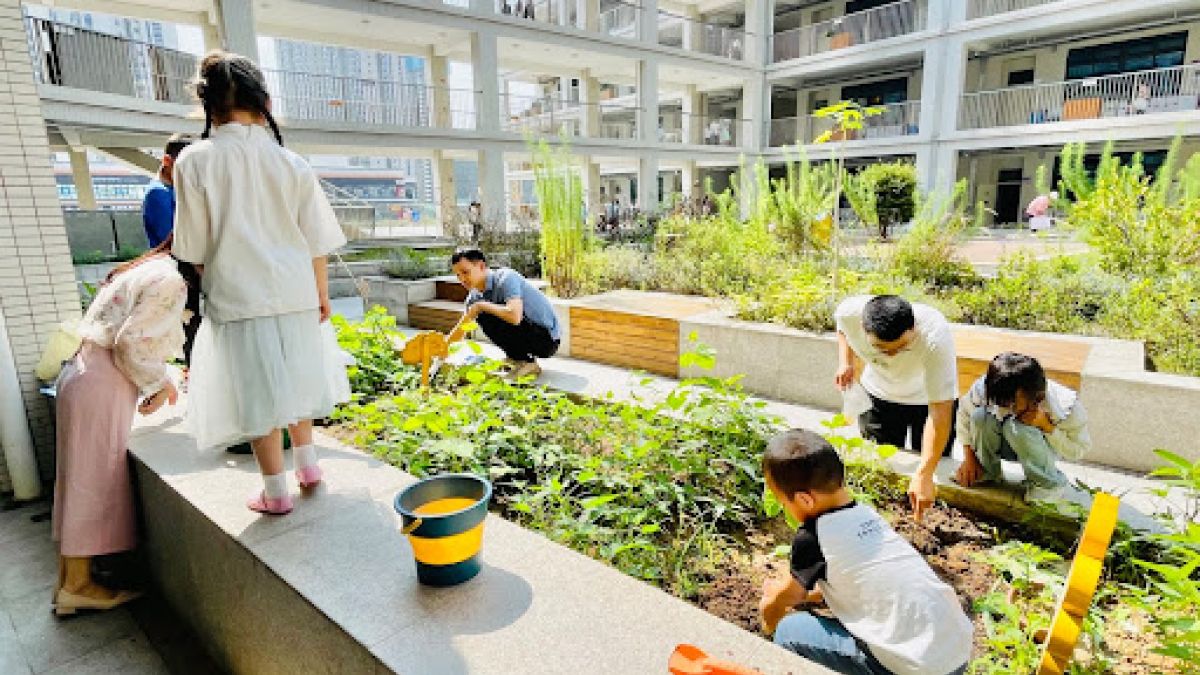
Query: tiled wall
(37, 281)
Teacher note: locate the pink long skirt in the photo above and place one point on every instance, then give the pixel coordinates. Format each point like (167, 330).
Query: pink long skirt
(93, 497)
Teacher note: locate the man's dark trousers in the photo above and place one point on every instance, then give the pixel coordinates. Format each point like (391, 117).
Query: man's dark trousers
(892, 423)
(522, 342)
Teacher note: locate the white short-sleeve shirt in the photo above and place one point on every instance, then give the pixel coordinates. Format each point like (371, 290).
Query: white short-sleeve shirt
(925, 371)
(253, 213)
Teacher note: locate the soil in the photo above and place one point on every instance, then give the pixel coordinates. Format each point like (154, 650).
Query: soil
(951, 541)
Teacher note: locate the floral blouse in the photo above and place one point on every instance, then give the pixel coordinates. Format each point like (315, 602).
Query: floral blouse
(140, 315)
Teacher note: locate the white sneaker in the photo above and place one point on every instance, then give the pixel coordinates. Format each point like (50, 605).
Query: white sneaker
(1067, 499)
(525, 370)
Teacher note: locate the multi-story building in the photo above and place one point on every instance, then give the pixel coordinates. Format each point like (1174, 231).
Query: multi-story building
(654, 96)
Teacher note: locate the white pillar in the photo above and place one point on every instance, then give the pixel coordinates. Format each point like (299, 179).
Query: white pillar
(589, 100)
(648, 197)
(493, 199)
(445, 193)
(648, 20)
(692, 122)
(81, 174)
(439, 79)
(587, 15)
(693, 33)
(237, 27)
(689, 177)
(485, 71)
(647, 96)
(943, 81)
(18, 452)
(760, 23)
(755, 113)
(591, 188)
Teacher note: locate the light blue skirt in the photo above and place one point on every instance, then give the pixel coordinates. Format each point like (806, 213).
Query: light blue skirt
(251, 377)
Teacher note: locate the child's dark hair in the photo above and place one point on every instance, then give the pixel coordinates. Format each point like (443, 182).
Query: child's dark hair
(471, 254)
(229, 82)
(799, 460)
(887, 317)
(1009, 373)
(176, 143)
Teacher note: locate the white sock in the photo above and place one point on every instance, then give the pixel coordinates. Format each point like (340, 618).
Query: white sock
(275, 487)
(304, 455)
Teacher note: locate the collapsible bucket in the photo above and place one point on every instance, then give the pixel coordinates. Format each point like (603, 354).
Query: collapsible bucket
(443, 518)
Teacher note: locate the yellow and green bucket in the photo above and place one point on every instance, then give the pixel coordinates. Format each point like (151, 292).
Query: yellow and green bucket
(443, 518)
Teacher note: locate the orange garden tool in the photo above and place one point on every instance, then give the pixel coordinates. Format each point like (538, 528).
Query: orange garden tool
(422, 349)
(1082, 581)
(691, 660)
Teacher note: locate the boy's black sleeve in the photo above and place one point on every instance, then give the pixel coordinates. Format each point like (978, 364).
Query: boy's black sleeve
(808, 562)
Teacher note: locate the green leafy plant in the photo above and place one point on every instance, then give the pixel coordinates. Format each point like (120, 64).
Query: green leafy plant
(883, 195)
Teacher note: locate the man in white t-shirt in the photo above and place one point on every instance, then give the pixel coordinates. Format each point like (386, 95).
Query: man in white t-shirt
(911, 376)
(891, 613)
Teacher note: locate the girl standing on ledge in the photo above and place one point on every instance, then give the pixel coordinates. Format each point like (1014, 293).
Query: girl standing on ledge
(131, 329)
(253, 217)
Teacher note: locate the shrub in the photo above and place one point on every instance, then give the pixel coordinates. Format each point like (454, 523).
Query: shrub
(883, 195)
(1165, 314)
(928, 253)
(407, 263)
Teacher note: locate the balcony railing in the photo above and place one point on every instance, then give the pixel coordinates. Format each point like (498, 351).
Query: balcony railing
(313, 97)
(554, 12)
(1145, 92)
(676, 127)
(620, 20)
(977, 9)
(675, 30)
(872, 25)
(546, 116)
(896, 120)
(67, 56)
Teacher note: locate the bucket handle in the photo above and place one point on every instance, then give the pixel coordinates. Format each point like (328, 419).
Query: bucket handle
(409, 528)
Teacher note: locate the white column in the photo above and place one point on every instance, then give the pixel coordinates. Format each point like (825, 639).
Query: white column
(760, 22)
(493, 199)
(689, 177)
(648, 197)
(485, 71)
(81, 174)
(587, 14)
(693, 34)
(943, 81)
(589, 99)
(591, 188)
(755, 112)
(439, 79)
(647, 96)
(692, 122)
(444, 190)
(237, 27)
(648, 20)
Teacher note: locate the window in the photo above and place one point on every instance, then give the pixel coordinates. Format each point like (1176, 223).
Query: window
(1019, 77)
(878, 93)
(1160, 51)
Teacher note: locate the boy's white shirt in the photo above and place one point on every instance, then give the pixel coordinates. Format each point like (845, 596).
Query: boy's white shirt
(254, 214)
(1070, 438)
(886, 595)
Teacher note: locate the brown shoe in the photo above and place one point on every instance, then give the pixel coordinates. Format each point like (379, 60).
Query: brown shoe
(67, 604)
(528, 369)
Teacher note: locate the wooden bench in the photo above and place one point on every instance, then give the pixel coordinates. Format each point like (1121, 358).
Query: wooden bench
(1062, 358)
(439, 315)
(633, 329)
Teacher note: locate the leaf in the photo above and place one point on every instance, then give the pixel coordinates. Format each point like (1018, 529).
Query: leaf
(470, 326)
(595, 502)
(476, 376)
(650, 529)
(474, 347)
(886, 450)
(782, 551)
(823, 138)
(458, 447)
(412, 424)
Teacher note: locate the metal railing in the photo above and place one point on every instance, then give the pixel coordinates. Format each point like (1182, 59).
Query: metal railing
(1162, 90)
(555, 12)
(695, 129)
(872, 25)
(675, 30)
(896, 120)
(314, 97)
(554, 117)
(621, 20)
(977, 9)
(68, 56)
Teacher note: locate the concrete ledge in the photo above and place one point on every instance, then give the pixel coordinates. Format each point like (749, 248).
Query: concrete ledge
(332, 587)
(395, 295)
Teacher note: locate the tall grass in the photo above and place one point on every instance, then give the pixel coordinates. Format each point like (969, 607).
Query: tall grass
(566, 238)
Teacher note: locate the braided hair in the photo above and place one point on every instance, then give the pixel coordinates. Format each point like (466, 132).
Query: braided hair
(229, 82)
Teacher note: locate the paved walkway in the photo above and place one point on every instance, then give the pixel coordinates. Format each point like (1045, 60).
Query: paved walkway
(1140, 503)
(32, 641)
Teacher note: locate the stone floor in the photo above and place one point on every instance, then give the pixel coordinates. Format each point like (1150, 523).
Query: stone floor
(142, 638)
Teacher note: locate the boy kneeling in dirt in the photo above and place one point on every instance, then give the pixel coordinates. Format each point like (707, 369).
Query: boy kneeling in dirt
(890, 612)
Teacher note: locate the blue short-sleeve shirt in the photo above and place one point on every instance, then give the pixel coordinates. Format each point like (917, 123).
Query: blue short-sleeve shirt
(504, 284)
